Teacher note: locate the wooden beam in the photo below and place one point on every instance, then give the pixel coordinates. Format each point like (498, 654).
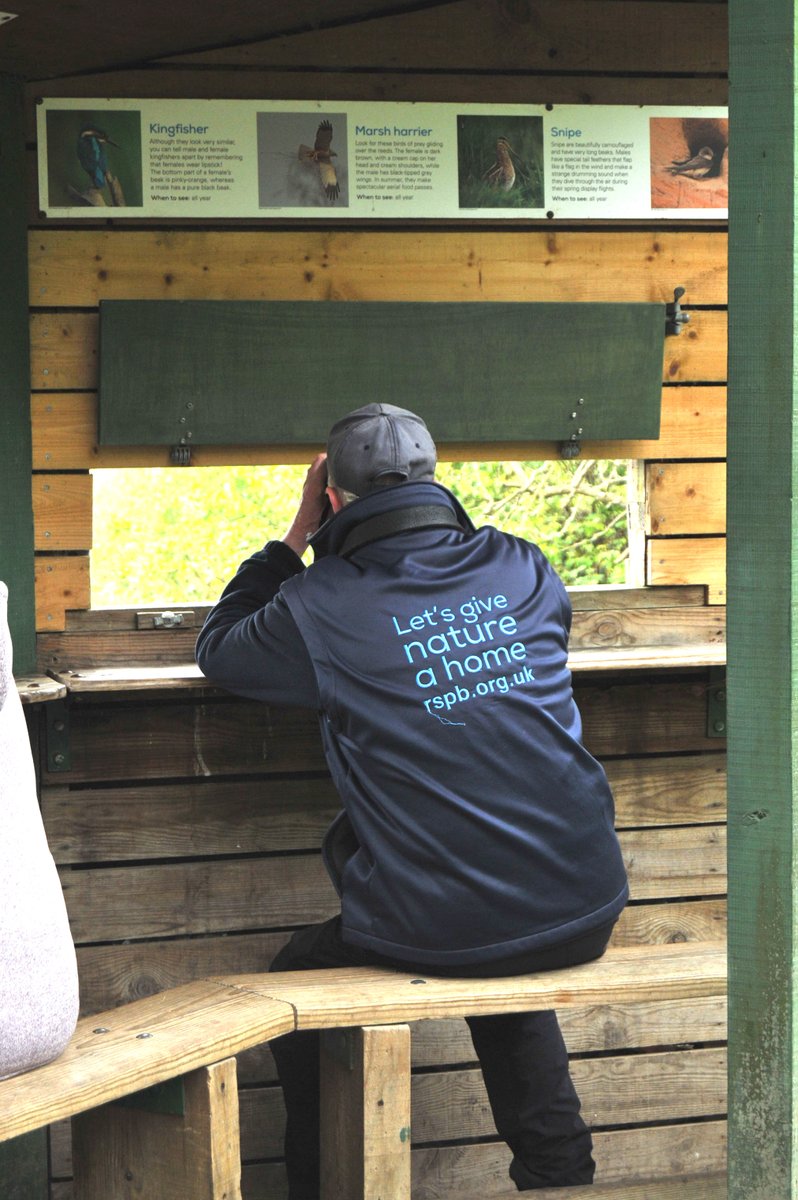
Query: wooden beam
(62, 512)
(452, 86)
(180, 820)
(622, 1090)
(62, 582)
(78, 268)
(122, 1151)
(676, 1162)
(617, 617)
(686, 498)
(188, 898)
(621, 35)
(688, 560)
(763, 605)
(64, 355)
(699, 353)
(65, 426)
(183, 740)
(365, 1113)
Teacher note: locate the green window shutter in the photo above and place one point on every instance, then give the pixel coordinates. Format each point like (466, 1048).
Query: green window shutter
(220, 373)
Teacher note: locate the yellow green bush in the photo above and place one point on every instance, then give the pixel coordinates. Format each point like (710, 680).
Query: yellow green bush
(176, 535)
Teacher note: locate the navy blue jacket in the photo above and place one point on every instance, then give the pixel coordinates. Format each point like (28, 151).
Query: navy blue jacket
(436, 659)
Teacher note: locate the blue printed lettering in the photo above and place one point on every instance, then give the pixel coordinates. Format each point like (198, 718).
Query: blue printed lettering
(478, 629)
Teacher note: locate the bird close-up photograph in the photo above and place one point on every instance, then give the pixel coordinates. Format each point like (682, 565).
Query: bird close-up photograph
(689, 162)
(302, 160)
(500, 161)
(94, 159)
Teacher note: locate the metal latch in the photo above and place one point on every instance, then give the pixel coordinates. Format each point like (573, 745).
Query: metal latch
(675, 318)
(165, 620)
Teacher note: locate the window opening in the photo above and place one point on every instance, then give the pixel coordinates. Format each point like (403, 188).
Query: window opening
(175, 535)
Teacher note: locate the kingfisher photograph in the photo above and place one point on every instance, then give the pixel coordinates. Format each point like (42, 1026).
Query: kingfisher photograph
(500, 162)
(94, 158)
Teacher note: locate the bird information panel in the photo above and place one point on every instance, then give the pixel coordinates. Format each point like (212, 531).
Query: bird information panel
(298, 159)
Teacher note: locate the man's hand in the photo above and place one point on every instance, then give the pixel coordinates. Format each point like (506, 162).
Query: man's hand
(311, 506)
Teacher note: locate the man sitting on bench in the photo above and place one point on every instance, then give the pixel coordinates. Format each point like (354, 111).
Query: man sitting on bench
(476, 837)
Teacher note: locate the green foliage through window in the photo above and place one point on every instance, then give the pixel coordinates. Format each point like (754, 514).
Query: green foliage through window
(176, 535)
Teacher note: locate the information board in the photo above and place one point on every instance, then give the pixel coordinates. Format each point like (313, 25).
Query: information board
(385, 161)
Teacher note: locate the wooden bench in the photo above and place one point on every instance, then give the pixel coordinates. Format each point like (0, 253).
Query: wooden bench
(168, 1141)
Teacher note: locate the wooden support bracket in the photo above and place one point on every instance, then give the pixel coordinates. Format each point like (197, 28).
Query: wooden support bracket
(125, 1152)
(365, 1113)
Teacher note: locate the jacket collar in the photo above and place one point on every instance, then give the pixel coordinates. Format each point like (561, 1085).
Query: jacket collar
(333, 533)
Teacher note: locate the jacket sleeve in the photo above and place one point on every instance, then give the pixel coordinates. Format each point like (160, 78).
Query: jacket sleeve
(250, 643)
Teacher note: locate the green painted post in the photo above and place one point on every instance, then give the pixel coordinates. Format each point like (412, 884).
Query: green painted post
(763, 592)
(16, 516)
(23, 1161)
(23, 1167)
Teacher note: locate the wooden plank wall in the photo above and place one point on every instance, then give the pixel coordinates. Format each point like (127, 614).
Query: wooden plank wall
(187, 826)
(187, 832)
(75, 269)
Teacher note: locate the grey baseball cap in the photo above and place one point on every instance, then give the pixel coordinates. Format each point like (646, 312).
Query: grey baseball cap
(376, 442)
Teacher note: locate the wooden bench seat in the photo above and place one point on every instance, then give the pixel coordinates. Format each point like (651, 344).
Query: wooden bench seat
(359, 996)
(186, 1144)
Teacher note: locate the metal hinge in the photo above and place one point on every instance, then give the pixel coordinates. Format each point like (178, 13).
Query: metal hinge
(57, 735)
(165, 620)
(716, 703)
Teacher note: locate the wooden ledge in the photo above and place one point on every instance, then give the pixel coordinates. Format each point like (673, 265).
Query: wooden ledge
(33, 689)
(646, 658)
(583, 660)
(135, 679)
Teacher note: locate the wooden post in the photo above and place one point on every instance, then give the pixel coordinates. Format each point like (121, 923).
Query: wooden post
(365, 1113)
(763, 670)
(122, 1153)
(16, 509)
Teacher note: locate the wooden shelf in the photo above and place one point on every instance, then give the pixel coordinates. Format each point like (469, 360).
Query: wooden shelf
(188, 676)
(647, 658)
(33, 689)
(116, 679)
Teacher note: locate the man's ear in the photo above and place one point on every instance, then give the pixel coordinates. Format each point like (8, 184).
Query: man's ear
(334, 496)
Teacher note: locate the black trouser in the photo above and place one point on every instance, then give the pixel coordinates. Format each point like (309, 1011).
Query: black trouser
(522, 1055)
